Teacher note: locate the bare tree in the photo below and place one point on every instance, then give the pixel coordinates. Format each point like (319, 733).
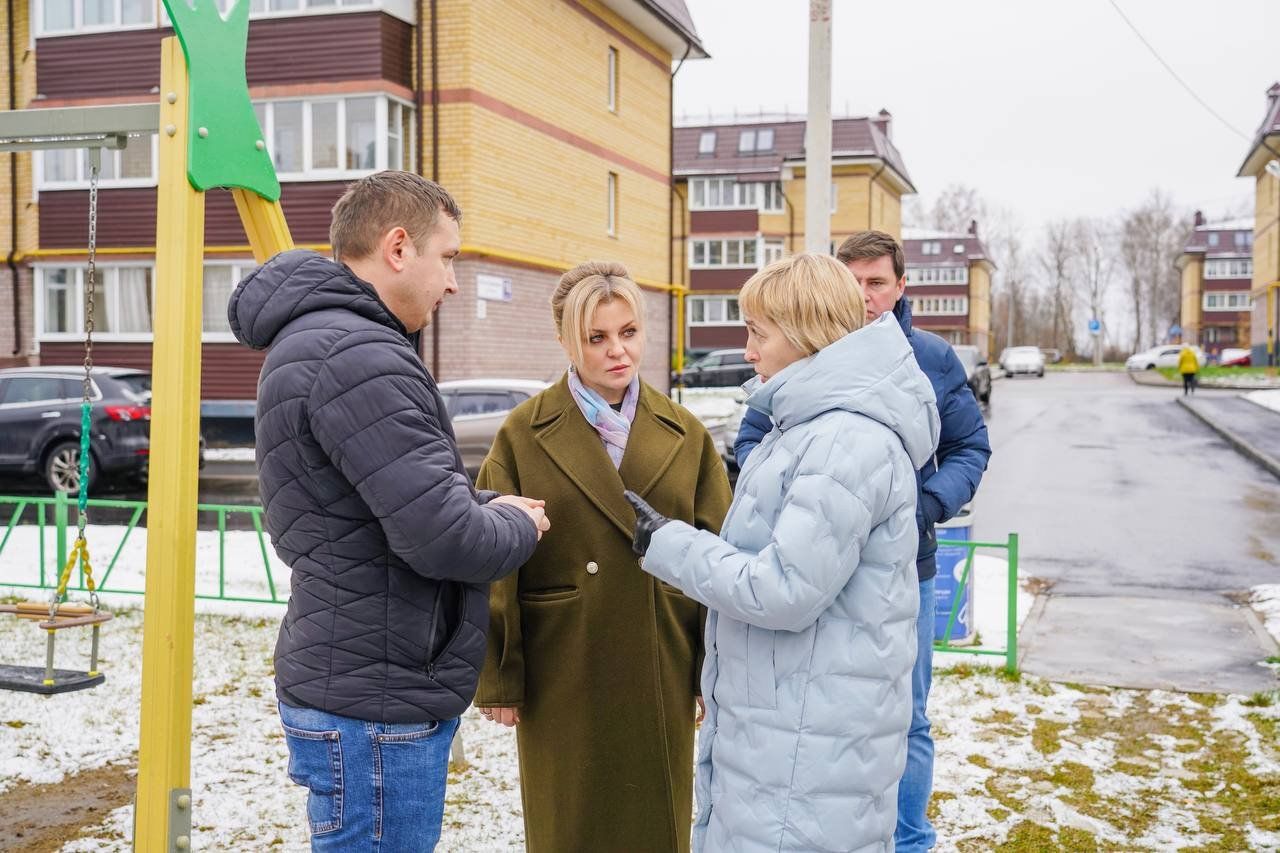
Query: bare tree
(1096, 258)
(1058, 258)
(1151, 237)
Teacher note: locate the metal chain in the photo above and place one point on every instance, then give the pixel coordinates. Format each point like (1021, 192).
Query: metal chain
(90, 286)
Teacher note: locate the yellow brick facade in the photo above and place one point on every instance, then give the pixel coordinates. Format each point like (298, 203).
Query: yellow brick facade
(980, 306)
(1192, 276)
(1266, 262)
(527, 139)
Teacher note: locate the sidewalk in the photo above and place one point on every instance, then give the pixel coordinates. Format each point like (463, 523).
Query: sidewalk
(1250, 428)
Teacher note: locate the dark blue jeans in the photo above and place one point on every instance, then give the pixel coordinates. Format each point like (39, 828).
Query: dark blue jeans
(375, 787)
(914, 832)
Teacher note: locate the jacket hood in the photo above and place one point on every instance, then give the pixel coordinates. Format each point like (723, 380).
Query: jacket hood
(295, 283)
(870, 372)
(902, 310)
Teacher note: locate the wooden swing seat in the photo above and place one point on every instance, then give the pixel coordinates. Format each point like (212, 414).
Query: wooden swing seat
(67, 616)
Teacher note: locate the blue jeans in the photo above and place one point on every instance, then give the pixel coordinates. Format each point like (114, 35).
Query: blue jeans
(914, 832)
(373, 786)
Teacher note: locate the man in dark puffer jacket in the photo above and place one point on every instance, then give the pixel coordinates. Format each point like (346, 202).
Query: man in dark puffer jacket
(367, 500)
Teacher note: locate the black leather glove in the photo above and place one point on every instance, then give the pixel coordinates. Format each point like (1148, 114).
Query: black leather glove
(648, 520)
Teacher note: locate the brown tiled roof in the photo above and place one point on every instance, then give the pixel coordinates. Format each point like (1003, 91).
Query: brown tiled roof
(850, 137)
(1198, 239)
(972, 250)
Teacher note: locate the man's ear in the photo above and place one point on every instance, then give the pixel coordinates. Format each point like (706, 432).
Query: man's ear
(395, 247)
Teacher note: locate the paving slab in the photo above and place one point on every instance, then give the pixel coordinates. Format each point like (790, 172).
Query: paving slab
(1187, 645)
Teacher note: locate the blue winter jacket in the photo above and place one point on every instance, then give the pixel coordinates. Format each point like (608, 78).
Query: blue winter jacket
(949, 480)
(812, 597)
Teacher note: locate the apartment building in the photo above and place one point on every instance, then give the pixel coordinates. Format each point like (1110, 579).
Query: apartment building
(1262, 164)
(1217, 276)
(740, 205)
(949, 285)
(457, 90)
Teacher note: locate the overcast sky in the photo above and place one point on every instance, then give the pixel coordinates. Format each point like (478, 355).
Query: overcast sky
(1048, 108)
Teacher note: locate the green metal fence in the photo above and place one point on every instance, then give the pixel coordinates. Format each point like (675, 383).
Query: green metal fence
(55, 513)
(1010, 651)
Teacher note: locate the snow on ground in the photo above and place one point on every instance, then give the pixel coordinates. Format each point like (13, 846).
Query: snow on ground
(1019, 761)
(1265, 599)
(229, 454)
(1270, 399)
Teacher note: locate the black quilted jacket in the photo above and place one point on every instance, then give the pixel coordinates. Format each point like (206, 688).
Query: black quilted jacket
(368, 502)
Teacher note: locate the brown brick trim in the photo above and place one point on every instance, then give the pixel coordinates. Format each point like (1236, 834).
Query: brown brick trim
(287, 90)
(600, 22)
(502, 108)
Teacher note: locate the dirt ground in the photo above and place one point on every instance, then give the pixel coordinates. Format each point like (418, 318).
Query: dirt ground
(41, 818)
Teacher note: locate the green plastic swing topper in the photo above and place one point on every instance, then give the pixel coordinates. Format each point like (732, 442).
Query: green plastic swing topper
(225, 145)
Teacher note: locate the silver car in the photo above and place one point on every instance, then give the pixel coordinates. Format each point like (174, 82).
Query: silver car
(478, 408)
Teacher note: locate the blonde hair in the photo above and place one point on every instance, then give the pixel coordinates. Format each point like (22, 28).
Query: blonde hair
(812, 298)
(583, 289)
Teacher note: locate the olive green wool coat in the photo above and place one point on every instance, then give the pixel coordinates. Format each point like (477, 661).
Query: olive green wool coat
(601, 659)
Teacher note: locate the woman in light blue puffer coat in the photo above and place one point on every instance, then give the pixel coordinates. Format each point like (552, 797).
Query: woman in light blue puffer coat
(811, 584)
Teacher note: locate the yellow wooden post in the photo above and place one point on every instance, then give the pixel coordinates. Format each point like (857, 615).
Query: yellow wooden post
(162, 815)
(264, 224)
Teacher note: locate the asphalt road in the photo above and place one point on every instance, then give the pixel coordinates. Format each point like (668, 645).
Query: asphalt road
(1147, 527)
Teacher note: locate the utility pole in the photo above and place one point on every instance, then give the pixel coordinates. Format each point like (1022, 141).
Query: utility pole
(817, 166)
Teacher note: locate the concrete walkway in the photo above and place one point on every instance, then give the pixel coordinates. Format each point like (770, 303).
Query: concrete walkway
(1251, 429)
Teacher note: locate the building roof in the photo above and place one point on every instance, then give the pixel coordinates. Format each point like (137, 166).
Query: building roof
(1198, 239)
(851, 139)
(1266, 142)
(969, 246)
(667, 22)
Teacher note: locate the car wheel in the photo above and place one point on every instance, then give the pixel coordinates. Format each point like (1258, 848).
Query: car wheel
(1151, 367)
(62, 467)
(1041, 373)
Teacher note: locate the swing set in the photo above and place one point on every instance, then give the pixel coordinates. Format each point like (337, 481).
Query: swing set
(209, 138)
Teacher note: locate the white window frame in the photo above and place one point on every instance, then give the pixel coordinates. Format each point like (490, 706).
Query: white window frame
(78, 26)
(940, 306)
(722, 301)
(1228, 268)
(1227, 300)
(741, 242)
(938, 275)
(771, 198)
(707, 142)
(772, 250)
(81, 180)
(612, 66)
(239, 269)
(746, 142)
(382, 104)
(396, 8)
(76, 301)
(611, 214)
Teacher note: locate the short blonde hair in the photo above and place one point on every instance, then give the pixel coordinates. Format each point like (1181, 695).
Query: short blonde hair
(581, 291)
(812, 298)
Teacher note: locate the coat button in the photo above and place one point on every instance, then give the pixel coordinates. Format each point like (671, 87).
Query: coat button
(592, 567)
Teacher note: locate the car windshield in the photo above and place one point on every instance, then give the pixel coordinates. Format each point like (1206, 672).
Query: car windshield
(137, 385)
(1024, 351)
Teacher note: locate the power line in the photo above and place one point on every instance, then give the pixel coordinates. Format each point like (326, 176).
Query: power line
(1201, 101)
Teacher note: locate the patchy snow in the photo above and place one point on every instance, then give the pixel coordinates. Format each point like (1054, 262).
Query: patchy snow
(1266, 600)
(1270, 398)
(229, 454)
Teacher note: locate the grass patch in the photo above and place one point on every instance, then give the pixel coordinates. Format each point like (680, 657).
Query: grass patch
(1046, 737)
(1213, 371)
(1209, 700)
(1077, 840)
(1028, 837)
(979, 761)
(1261, 700)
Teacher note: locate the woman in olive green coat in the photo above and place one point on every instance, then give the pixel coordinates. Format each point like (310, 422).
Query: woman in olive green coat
(594, 661)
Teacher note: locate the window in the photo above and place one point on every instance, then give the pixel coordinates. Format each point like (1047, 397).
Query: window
(747, 142)
(327, 138)
(723, 253)
(62, 17)
(713, 311)
(20, 390)
(122, 300)
(957, 249)
(707, 142)
(755, 141)
(764, 139)
(613, 79)
(1244, 239)
(956, 336)
(68, 168)
(1227, 301)
(771, 200)
(465, 403)
(1213, 238)
(937, 275)
(1229, 268)
(931, 247)
(611, 215)
(926, 306)
(220, 279)
(773, 251)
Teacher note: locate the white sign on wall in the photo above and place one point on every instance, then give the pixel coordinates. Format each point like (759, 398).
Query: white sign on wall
(494, 288)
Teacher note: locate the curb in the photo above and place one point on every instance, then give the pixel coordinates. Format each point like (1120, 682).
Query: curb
(1142, 377)
(1266, 460)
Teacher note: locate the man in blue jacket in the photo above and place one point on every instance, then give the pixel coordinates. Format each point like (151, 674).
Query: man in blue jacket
(945, 484)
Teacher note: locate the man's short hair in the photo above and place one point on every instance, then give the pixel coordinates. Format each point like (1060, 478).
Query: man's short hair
(374, 205)
(866, 245)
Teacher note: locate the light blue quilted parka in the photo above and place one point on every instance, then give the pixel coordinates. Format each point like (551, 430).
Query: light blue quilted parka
(813, 597)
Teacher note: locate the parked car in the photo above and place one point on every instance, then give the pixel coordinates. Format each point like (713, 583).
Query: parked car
(40, 423)
(1016, 360)
(1051, 355)
(722, 368)
(1235, 357)
(976, 371)
(1161, 356)
(478, 407)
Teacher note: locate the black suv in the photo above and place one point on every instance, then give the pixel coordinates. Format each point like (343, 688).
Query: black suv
(722, 368)
(977, 374)
(40, 423)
